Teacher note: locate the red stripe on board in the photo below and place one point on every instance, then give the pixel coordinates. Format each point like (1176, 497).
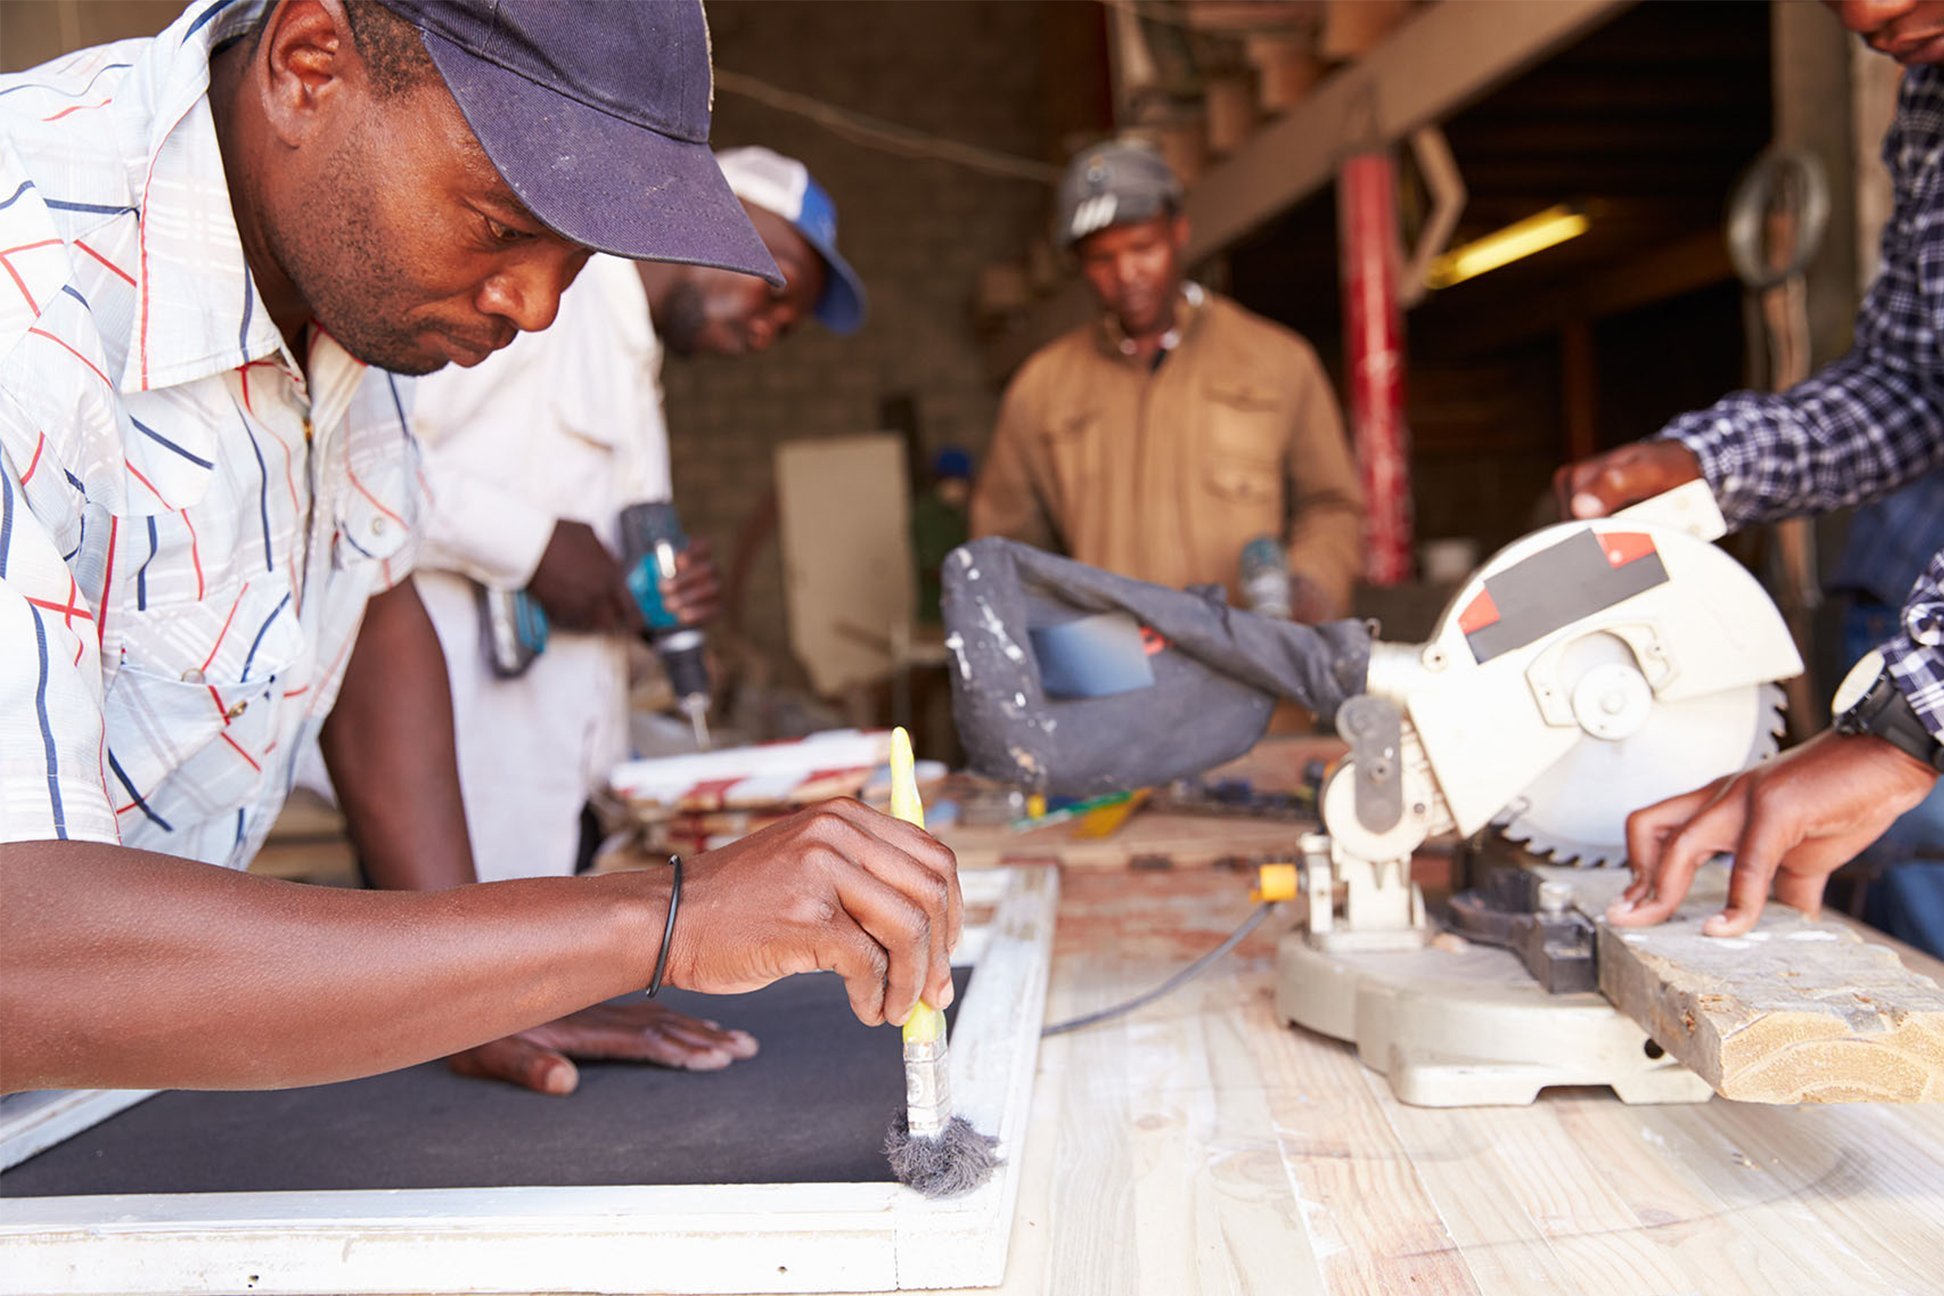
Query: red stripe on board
(709, 792)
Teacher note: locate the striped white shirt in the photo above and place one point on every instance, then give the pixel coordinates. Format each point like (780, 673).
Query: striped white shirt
(190, 523)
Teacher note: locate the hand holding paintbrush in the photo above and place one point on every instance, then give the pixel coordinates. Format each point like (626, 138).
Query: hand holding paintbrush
(932, 1150)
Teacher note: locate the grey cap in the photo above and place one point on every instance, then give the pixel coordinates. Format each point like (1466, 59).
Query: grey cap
(1115, 183)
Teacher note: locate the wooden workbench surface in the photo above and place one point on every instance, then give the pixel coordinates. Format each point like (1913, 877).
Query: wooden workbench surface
(1200, 1146)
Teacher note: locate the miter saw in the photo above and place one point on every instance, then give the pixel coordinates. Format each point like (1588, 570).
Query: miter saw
(1587, 670)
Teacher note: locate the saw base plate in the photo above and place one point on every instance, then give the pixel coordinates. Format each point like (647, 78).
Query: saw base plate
(1470, 1028)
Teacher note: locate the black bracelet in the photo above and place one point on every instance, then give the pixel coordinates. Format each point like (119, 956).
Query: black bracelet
(668, 932)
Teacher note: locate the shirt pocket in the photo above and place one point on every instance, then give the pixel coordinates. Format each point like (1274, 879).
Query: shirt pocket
(1070, 443)
(195, 713)
(1242, 453)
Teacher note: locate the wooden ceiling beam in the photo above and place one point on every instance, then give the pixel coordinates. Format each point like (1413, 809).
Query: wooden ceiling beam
(1443, 58)
(1440, 60)
(1674, 269)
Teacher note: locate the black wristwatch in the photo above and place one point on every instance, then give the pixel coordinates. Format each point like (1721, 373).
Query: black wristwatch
(1868, 701)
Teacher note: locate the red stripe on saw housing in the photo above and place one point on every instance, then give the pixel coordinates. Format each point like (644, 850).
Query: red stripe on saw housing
(1478, 613)
(1623, 547)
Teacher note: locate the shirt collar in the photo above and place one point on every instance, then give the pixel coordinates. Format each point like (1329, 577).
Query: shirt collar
(1187, 313)
(197, 312)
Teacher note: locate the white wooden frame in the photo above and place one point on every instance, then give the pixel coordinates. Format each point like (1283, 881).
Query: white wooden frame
(34, 1122)
(712, 1238)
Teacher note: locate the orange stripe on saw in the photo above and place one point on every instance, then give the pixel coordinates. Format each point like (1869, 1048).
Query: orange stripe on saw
(1623, 547)
(1478, 613)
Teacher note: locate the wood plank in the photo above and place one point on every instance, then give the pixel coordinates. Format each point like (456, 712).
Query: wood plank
(1366, 1209)
(1576, 1224)
(709, 1238)
(1834, 1198)
(1794, 1012)
(1167, 1172)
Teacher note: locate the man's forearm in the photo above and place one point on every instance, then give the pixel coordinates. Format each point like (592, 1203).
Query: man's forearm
(1855, 431)
(127, 969)
(390, 749)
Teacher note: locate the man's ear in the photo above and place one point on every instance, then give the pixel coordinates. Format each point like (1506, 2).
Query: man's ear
(305, 61)
(1180, 233)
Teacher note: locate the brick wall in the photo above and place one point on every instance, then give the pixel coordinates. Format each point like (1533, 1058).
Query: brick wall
(917, 231)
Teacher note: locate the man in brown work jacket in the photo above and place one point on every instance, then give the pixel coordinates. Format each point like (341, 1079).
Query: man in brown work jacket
(1159, 440)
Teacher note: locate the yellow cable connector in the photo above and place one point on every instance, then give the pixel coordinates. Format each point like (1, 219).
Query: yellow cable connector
(1275, 882)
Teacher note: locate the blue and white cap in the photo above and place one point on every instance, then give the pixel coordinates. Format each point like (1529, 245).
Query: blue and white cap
(784, 185)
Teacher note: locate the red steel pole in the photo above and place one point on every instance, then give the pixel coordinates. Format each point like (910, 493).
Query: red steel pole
(1373, 329)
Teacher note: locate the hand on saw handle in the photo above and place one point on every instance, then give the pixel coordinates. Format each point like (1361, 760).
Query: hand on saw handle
(1792, 821)
(580, 584)
(836, 887)
(1609, 482)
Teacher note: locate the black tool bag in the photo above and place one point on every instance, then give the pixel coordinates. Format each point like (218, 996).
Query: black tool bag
(1071, 680)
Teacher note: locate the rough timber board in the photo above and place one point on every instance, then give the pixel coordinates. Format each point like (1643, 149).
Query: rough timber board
(1794, 1012)
(718, 1238)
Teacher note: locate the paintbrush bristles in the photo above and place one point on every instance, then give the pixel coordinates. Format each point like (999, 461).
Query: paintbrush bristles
(957, 1161)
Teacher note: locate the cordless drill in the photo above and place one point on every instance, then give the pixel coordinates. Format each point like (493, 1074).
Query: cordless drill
(651, 540)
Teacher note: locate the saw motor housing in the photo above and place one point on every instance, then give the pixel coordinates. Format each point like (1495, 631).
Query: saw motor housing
(1586, 670)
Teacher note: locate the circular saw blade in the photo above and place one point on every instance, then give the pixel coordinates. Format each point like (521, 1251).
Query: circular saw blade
(1576, 812)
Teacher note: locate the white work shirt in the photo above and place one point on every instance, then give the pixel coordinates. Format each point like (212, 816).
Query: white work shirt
(564, 424)
(189, 528)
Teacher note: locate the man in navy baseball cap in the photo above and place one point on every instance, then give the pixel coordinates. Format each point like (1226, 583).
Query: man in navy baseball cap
(272, 210)
(597, 114)
(421, 179)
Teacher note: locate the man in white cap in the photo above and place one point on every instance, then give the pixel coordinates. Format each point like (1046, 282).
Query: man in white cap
(530, 458)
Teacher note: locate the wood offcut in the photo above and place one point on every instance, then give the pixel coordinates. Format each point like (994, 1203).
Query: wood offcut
(1794, 1012)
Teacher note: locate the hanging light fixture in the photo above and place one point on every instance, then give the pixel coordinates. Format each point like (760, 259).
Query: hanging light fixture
(1520, 239)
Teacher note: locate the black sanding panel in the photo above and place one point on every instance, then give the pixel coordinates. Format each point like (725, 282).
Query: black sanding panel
(811, 1107)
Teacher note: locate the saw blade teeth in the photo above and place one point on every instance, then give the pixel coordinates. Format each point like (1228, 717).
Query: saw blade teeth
(1525, 820)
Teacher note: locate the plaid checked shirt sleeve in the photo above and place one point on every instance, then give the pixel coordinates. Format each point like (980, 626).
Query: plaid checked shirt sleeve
(1874, 419)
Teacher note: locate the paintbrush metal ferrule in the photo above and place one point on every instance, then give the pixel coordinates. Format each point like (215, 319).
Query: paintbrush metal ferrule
(928, 1090)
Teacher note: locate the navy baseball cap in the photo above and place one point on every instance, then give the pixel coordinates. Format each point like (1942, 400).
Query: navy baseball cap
(785, 186)
(596, 113)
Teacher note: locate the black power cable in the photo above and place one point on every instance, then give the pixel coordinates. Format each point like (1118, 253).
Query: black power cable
(1172, 984)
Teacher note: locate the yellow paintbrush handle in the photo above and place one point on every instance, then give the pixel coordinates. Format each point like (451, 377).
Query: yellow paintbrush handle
(926, 1023)
(905, 804)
